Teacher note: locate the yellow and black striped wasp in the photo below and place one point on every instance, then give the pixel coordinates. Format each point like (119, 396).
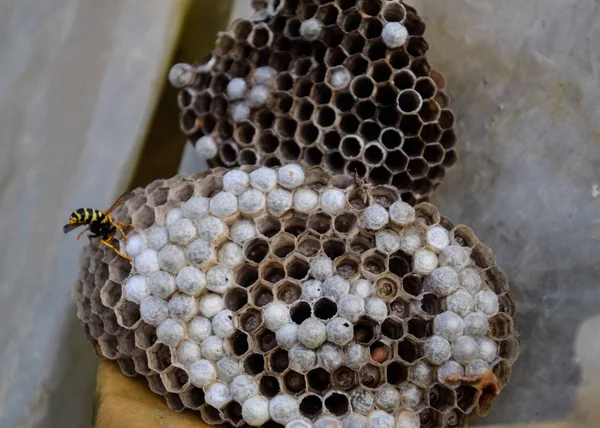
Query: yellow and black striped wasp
(100, 224)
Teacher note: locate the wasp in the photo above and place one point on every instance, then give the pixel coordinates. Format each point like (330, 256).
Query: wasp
(100, 224)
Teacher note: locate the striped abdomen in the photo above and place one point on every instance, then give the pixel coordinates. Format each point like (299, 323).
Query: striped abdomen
(87, 216)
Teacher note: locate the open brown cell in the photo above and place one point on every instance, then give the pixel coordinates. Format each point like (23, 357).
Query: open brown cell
(318, 379)
(279, 361)
(300, 312)
(236, 298)
(364, 331)
(371, 376)
(261, 295)
(269, 386)
(294, 382)
(409, 350)
(250, 320)
(430, 418)
(239, 343)
(288, 292)
(254, 364)
(246, 275)
(311, 406)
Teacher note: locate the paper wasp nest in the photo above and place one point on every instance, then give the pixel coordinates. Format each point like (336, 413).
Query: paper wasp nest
(268, 297)
(344, 84)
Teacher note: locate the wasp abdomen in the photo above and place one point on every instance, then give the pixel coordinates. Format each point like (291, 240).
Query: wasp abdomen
(87, 215)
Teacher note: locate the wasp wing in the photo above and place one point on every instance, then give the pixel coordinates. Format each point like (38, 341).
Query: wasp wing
(124, 197)
(69, 227)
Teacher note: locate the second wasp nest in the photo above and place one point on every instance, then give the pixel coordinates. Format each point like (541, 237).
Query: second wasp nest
(344, 84)
(290, 297)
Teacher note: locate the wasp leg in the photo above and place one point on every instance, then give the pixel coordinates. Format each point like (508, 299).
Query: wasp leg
(118, 226)
(125, 224)
(108, 244)
(82, 232)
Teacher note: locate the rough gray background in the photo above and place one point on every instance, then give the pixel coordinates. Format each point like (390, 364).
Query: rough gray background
(75, 88)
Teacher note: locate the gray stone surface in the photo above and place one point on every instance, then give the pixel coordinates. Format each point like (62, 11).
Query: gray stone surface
(76, 88)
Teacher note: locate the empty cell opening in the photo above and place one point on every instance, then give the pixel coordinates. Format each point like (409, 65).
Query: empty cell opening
(376, 50)
(268, 226)
(295, 225)
(351, 146)
(280, 61)
(286, 127)
(201, 102)
(219, 83)
(188, 121)
(304, 110)
(290, 150)
(361, 244)
(448, 139)
(333, 248)
(254, 364)
(194, 397)
(386, 288)
(318, 74)
(349, 124)
(325, 309)
(311, 406)
(394, 12)
(177, 378)
(431, 304)
(256, 250)
(264, 118)
(279, 361)
(239, 343)
(431, 133)
(335, 162)
(250, 320)
(313, 156)
(410, 125)
(397, 374)
(372, 28)
(386, 95)
(417, 46)
(417, 168)
(303, 66)
(344, 102)
(292, 28)
(309, 133)
(364, 332)
(370, 376)
(362, 87)
(327, 14)
(347, 268)
(303, 87)
(414, 24)
(228, 153)
(320, 222)
(162, 358)
(413, 285)
(233, 412)
(268, 142)
(380, 175)
(337, 404)
(262, 296)
(332, 36)
(318, 379)
(366, 109)
(211, 415)
(374, 154)
(321, 94)
(294, 382)
(283, 245)
(241, 68)
(409, 351)
(344, 223)
(419, 328)
(509, 349)
(409, 101)
(225, 128)
(401, 264)
(370, 130)
(356, 167)
(392, 328)
(375, 264)
(309, 247)
(422, 186)
(370, 7)
(298, 269)
(300, 311)
(235, 299)
(260, 37)
(209, 122)
(335, 56)
(345, 379)
(381, 72)
(247, 157)
(357, 65)
(269, 386)
(351, 21)
(267, 340)
(420, 67)
(326, 117)
(391, 138)
(440, 397)
(430, 111)
(426, 88)
(308, 11)
(242, 29)
(434, 153)
(500, 326)
(271, 162)
(273, 273)
(112, 293)
(283, 103)
(399, 59)
(413, 147)
(388, 116)
(284, 82)
(446, 119)
(466, 397)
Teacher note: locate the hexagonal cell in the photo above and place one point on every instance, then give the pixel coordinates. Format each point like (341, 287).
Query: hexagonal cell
(210, 415)
(250, 320)
(441, 398)
(380, 352)
(318, 379)
(392, 328)
(254, 364)
(290, 150)
(348, 267)
(349, 124)
(463, 236)
(278, 360)
(311, 406)
(303, 109)
(261, 295)
(126, 342)
(371, 28)
(128, 315)
(297, 268)
(309, 246)
(351, 146)
(420, 328)
(337, 403)
(233, 412)
(371, 376)
(431, 304)
(375, 155)
(321, 94)
(272, 272)
(430, 418)
(386, 287)
(413, 147)
(175, 379)
(325, 309)
(374, 263)
(286, 127)
(289, 292)
(362, 87)
(193, 398)
(466, 398)
(409, 350)
(313, 156)
(345, 223)
(300, 312)
(501, 326)
(334, 248)
(364, 331)
(281, 102)
(156, 385)
(496, 279)
(295, 224)
(396, 373)
(269, 386)
(127, 367)
(294, 382)
(246, 275)
(320, 222)
(333, 57)
(388, 116)
(265, 340)
(303, 66)
(394, 12)
(145, 336)
(307, 133)
(159, 357)
(239, 343)
(236, 298)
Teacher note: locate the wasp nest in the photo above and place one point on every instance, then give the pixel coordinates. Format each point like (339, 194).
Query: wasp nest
(268, 297)
(343, 84)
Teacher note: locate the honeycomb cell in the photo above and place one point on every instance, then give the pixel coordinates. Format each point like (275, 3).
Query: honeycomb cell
(392, 328)
(294, 382)
(410, 350)
(396, 373)
(371, 376)
(441, 398)
(311, 406)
